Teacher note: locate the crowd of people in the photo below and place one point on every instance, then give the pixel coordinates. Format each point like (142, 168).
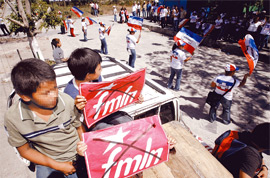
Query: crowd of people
(228, 27)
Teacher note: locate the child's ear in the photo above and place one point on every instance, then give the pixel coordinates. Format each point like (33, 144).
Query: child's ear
(25, 98)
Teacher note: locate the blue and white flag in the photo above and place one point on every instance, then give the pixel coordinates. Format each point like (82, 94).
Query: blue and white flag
(77, 11)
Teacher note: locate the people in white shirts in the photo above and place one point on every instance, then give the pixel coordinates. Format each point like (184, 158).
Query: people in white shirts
(223, 83)
(163, 13)
(138, 9)
(102, 32)
(84, 29)
(175, 18)
(178, 58)
(218, 25)
(253, 27)
(131, 44)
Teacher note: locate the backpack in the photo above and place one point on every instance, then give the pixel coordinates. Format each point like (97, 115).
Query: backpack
(227, 144)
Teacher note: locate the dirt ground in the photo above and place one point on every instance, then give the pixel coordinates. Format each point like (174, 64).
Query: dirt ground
(250, 103)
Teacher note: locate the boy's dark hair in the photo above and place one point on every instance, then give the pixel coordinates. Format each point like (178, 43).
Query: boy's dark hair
(54, 42)
(83, 61)
(27, 75)
(261, 135)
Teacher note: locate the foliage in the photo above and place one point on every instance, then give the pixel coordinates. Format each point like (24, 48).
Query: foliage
(39, 12)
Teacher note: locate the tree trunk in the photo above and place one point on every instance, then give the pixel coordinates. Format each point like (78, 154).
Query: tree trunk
(35, 48)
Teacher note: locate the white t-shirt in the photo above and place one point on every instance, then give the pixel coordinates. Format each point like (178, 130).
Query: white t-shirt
(218, 23)
(131, 41)
(178, 57)
(162, 13)
(114, 11)
(101, 34)
(266, 29)
(175, 15)
(224, 83)
(84, 25)
(70, 23)
(139, 7)
(193, 18)
(134, 8)
(254, 26)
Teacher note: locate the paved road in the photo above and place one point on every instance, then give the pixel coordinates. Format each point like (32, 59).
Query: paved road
(250, 105)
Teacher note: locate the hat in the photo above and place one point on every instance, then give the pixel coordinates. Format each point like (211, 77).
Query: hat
(132, 30)
(101, 23)
(83, 18)
(231, 67)
(113, 6)
(180, 43)
(59, 12)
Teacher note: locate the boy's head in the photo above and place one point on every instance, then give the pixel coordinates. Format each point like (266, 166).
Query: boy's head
(261, 136)
(35, 81)
(83, 19)
(230, 69)
(56, 42)
(85, 64)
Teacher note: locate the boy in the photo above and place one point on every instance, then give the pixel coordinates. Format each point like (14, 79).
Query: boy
(84, 29)
(223, 83)
(85, 66)
(44, 117)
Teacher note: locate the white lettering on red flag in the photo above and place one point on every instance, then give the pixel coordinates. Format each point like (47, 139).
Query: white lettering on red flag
(104, 98)
(126, 149)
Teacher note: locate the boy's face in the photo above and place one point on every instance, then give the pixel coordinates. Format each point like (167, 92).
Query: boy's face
(95, 76)
(46, 94)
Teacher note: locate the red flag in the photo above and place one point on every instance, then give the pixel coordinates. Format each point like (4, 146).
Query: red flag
(104, 98)
(109, 30)
(65, 24)
(126, 149)
(91, 21)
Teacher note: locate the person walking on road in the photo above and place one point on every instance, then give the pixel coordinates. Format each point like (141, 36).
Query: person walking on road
(131, 43)
(223, 83)
(70, 23)
(84, 29)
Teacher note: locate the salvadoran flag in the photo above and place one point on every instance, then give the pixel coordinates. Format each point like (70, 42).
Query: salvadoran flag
(191, 39)
(183, 22)
(250, 50)
(109, 30)
(208, 30)
(135, 22)
(77, 11)
(91, 21)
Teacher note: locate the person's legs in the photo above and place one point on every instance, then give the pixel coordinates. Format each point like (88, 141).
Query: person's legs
(226, 104)
(105, 46)
(85, 35)
(178, 79)
(132, 58)
(171, 78)
(212, 112)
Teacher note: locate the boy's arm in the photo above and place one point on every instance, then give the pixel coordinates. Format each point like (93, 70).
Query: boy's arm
(36, 157)
(243, 82)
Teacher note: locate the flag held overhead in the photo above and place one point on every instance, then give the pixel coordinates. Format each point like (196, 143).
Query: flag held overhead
(250, 50)
(135, 22)
(77, 11)
(191, 39)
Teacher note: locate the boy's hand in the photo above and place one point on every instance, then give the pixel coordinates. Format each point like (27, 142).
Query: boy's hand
(247, 75)
(81, 148)
(140, 99)
(80, 102)
(171, 142)
(66, 167)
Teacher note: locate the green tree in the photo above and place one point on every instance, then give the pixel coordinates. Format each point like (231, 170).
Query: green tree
(30, 17)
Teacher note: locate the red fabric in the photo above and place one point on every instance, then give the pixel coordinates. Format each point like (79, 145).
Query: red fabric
(72, 32)
(249, 59)
(104, 98)
(125, 149)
